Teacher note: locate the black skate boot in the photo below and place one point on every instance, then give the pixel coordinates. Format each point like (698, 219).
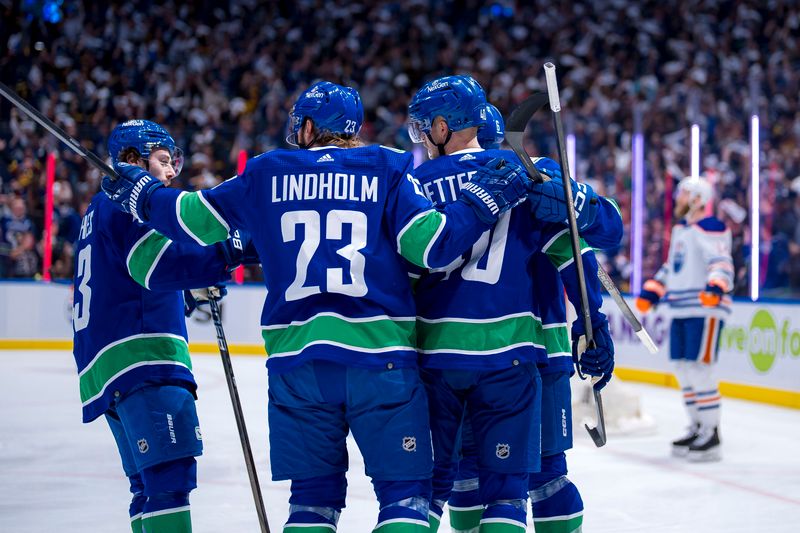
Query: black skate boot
(706, 447)
(680, 447)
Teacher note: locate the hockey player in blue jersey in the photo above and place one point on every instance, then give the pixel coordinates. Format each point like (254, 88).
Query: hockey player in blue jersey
(130, 341)
(334, 223)
(470, 352)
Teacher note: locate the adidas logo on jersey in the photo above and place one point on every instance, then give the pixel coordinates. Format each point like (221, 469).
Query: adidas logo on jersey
(327, 158)
(466, 157)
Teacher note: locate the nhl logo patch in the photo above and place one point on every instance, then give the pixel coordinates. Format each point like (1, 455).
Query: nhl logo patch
(502, 451)
(410, 444)
(143, 446)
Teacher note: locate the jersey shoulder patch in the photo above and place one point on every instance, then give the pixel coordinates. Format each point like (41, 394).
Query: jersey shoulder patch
(711, 224)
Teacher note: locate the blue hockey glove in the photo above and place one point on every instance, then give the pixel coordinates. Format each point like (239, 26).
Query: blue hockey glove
(131, 192)
(194, 298)
(598, 361)
(497, 187)
(548, 199)
(239, 250)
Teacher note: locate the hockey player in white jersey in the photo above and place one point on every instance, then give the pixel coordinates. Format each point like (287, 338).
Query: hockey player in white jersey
(695, 283)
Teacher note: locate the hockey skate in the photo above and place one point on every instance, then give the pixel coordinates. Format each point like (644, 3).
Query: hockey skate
(680, 447)
(706, 447)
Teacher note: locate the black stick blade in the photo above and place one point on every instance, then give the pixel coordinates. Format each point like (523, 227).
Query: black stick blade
(520, 117)
(598, 433)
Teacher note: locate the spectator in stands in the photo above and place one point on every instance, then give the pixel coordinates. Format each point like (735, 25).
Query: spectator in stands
(226, 72)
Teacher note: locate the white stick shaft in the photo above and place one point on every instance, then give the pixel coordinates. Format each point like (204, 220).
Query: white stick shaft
(552, 87)
(647, 341)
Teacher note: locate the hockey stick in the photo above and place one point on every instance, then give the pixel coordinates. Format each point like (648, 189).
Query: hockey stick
(598, 433)
(60, 134)
(238, 414)
(515, 128)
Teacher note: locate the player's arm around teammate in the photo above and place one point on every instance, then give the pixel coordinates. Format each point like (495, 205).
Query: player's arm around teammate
(332, 223)
(130, 337)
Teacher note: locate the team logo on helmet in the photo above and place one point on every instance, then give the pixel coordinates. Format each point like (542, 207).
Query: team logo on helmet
(503, 451)
(143, 446)
(410, 444)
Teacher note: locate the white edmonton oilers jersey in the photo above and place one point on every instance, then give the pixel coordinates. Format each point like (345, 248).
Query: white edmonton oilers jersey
(699, 253)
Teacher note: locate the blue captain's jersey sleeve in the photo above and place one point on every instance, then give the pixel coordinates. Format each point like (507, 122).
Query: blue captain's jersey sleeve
(125, 334)
(605, 232)
(333, 228)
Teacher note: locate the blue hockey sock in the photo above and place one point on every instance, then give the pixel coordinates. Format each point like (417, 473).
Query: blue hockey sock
(408, 515)
(307, 519)
(465, 506)
(504, 516)
(556, 504)
(137, 503)
(435, 514)
(167, 513)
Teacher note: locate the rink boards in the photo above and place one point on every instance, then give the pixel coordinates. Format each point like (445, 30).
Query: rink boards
(759, 347)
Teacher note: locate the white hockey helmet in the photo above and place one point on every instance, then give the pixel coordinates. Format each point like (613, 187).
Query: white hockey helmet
(698, 188)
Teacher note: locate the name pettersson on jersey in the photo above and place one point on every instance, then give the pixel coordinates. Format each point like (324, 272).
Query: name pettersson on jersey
(324, 186)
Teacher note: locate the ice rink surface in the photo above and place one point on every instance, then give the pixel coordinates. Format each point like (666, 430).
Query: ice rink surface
(57, 474)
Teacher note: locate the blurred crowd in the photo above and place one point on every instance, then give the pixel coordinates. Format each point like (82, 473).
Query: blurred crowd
(222, 75)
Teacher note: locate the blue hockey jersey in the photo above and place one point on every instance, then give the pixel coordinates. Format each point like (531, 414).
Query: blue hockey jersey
(332, 227)
(486, 310)
(127, 313)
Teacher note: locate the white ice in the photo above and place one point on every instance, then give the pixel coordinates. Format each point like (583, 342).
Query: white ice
(57, 474)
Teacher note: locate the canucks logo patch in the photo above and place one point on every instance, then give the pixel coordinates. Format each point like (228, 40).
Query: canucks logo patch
(503, 451)
(410, 444)
(466, 157)
(143, 446)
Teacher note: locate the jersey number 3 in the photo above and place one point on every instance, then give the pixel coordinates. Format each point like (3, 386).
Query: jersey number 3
(334, 224)
(80, 311)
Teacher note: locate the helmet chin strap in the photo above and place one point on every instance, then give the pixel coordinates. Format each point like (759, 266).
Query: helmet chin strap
(442, 145)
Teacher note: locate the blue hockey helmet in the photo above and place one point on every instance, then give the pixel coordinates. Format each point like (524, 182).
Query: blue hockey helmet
(493, 133)
(333, 108)
(144, 136)
(460, 100)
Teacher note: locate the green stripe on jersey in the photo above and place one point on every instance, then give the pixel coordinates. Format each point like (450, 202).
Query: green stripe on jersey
(373, 334)
(309, 528)
(559, 524)
(200, 220)
(415, 239)
(144, 256)
(133, 352)
(484, 337)
(557, 340)
(559, 249)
